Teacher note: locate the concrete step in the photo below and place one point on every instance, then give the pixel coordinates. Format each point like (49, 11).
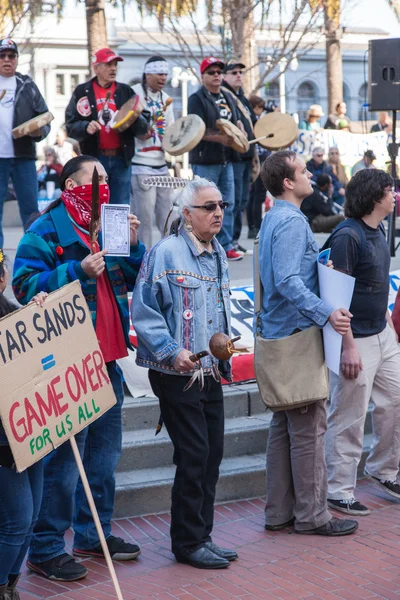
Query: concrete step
(141, 449)
(146, 491)
(240, 401)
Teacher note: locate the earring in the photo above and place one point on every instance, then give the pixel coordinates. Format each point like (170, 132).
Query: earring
(188, 227)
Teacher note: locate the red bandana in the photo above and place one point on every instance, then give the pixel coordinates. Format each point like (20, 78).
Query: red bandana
(78, 202)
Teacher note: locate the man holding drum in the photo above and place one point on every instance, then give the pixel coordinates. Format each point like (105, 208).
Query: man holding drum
(149, 157)
(212, 158)
(20, 101)
(90, 115)
(233, 79)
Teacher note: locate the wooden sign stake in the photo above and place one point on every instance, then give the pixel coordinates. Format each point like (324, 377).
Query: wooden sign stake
(95, 516)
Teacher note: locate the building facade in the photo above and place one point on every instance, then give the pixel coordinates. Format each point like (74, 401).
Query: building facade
(55, 54)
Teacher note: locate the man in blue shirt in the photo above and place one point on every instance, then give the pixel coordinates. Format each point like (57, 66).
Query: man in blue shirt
(288, 255)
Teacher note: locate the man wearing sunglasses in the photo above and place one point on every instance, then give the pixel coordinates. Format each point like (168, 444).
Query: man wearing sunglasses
(233, 80)
(20, 101)
(180, 301)
(213, 157)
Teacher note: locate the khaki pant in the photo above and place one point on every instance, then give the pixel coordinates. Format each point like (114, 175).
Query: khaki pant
(323, 224)
(296, 471)
(149, 204)
(379, 381)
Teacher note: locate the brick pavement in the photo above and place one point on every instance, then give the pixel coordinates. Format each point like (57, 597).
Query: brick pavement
(271, 566)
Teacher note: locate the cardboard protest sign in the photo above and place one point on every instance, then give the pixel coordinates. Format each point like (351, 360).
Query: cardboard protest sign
(54, 378)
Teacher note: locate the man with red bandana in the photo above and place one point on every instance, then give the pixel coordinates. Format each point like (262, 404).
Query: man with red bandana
(90, 115)
(53, 252)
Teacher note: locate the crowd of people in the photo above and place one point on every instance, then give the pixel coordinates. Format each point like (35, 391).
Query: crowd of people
(181, 299)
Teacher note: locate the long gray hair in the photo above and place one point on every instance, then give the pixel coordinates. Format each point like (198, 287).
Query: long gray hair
(187, 197)
(189, 193)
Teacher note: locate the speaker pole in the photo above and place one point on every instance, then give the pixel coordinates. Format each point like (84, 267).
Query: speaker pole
(393, 150)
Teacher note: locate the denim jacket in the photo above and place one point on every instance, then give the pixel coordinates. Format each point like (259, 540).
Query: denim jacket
(176, 303)
(288, 255)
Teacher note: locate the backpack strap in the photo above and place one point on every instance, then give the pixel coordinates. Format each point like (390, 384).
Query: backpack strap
(258, 287)
(351, 224)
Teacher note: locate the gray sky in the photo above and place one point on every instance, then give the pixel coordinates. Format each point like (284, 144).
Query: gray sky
(371, 13)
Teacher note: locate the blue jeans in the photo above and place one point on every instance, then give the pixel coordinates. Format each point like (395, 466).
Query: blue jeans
(23, 175)
(100, 447)
(242, 172)
(119, 178)
(222, 176)
(20, 497)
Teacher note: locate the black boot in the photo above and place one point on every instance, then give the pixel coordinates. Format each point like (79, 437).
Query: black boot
(3, 589)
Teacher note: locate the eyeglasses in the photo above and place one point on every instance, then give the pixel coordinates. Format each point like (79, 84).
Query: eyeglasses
(9, 55)
(319, 155)
(212, 206)
(236, 72)
(213, 72)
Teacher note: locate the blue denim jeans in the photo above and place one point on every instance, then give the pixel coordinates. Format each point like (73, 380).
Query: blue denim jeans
(222, 176)
(20, 497)
(119, 178)
(242, 172)
(23, 175)
(100, 448)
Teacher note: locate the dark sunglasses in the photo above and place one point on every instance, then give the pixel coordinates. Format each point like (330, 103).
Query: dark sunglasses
(235, 72)
(212, 206)
(9, 55)
(214, 72)
(319, 155)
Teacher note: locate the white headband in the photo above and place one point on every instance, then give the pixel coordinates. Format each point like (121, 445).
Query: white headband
(155, 67)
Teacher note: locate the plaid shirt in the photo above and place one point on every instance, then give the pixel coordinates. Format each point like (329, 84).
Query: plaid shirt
(49, 256)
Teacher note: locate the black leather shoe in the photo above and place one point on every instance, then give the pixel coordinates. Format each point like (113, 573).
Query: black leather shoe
(333, 527)
(280, 526)
(222, 552)
(203, 558)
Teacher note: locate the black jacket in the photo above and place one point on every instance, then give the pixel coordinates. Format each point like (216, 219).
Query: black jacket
(202, 103)
(77, 124)
(317, 204)
(28, 103)
(248, 128)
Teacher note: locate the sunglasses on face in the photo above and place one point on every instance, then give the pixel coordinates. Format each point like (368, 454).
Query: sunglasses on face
(212, 206)
(236, 72)
(9, 55)
(214, 72)
(319, 155)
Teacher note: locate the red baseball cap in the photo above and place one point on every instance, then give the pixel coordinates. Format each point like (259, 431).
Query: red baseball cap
(105, 55)
(210, 60)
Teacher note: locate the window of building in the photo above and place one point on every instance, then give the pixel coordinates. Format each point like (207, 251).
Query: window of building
(60, 84)
(347, 98)
(272, 91)
(363, 113)
(74, 81)
(307, 94)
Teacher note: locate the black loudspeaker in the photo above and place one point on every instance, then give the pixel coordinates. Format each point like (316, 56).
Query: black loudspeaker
(384, 74)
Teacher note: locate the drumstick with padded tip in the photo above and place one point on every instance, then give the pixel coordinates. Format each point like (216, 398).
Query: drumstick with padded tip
(263, 137)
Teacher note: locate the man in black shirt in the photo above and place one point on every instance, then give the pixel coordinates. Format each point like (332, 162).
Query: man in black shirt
(318, 207)
(370, 362)
(213, 157)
